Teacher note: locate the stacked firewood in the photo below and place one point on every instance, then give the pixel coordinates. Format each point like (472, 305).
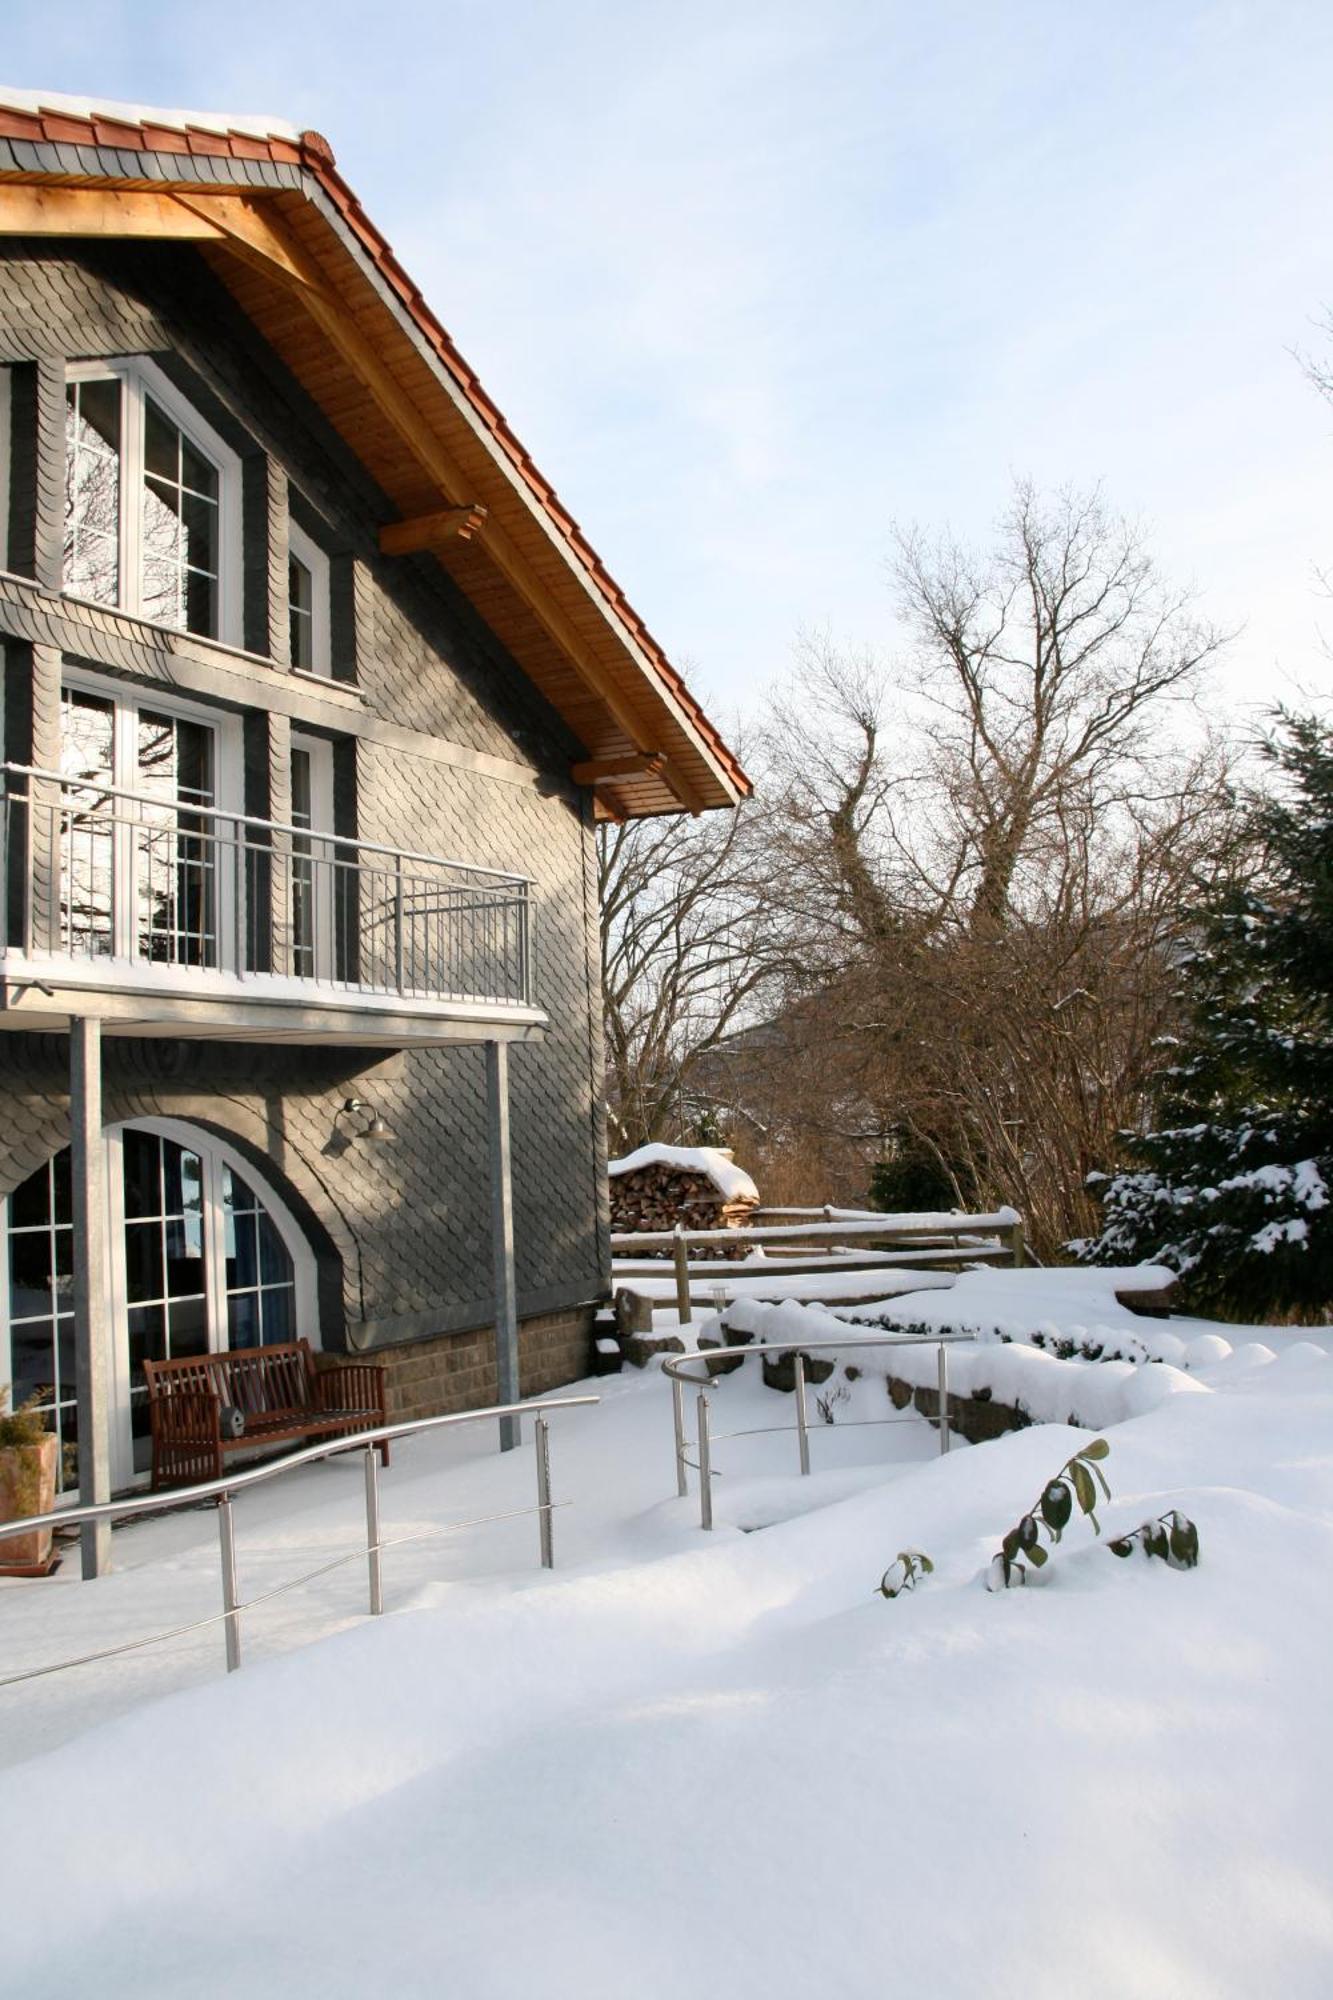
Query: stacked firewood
(659, 1197)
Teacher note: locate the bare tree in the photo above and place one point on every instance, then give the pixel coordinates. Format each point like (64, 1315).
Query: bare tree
(686, 949)
(1046, 669)
(984, 869)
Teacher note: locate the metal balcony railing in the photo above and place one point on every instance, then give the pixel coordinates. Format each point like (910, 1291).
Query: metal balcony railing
(173, 890)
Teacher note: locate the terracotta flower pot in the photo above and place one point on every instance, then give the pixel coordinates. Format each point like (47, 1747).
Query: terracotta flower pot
(27, 1486)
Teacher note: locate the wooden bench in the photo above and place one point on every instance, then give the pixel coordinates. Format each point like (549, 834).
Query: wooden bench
(279, 1393)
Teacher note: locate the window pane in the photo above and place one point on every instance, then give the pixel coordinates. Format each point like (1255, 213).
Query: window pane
(278, 1315)
(148, 1340)
(187, 1327)
(141, 1152)
(243, 1319)
(183, 1174)
(33, 1359)
(143, 1261)
(29, 1273)
(185, 1256)
(92, 490)
(198, 473)
(200, 604)
(275, 1266)
(243, 1262)
(30, 1205)
(161, 443)
(199, 533)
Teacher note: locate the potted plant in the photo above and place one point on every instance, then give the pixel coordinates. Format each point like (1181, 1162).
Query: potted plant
(27, 1484)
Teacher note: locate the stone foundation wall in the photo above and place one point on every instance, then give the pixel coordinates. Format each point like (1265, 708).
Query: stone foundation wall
(429, 1378)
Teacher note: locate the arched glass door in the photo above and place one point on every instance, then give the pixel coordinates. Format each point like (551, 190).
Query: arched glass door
(200, 1259)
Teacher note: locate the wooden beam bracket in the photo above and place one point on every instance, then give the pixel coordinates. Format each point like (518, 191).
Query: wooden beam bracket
(432, 531)
(606, 770)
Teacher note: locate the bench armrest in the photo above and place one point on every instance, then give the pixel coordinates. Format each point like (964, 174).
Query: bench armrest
(358, 1386)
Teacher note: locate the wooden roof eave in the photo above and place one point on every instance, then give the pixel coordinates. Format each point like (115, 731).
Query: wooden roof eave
(251, 233)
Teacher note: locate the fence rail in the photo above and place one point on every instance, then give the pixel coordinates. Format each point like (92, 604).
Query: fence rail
(100, 875)
(223, 1490)
(675, 1366)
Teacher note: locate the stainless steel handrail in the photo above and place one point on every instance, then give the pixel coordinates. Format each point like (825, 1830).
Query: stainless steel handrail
(69, 782)
(221, 1490)
(673, 1366)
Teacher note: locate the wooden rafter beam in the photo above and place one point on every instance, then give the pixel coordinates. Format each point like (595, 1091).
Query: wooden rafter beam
(431, 531)
(605, 770)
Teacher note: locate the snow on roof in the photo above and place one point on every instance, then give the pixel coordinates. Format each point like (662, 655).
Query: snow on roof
(718, 1167)
(220, 122)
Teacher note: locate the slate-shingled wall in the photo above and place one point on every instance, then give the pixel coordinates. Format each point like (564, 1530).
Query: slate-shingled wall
(401, 1230)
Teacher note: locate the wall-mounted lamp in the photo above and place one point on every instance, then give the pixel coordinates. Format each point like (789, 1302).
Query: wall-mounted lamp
(374, 1128)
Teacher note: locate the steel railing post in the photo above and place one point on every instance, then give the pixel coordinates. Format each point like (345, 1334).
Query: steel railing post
(231, 1602)
(802, 1427)
(681, 1255)
(678, 1418)
(374, 1558)
(944, 1397)
(705, 1467)
(541, 1439)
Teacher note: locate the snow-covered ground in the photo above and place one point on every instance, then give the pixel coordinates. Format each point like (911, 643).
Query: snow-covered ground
(718, 1764)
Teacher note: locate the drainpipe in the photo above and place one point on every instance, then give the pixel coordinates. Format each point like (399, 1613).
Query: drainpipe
(92, 1312)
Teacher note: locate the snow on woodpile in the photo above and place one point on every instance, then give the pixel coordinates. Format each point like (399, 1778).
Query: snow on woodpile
(700, 1187)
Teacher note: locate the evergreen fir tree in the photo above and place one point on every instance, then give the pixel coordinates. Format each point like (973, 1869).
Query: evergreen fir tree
(1235, 1188)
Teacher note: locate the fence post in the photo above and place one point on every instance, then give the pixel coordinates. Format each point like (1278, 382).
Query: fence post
(680, 1251)
(1013, 1236)
(373, 1557)
(944, 1397)
(230, 1594)
(705, 1467)
(802, 1429)
(678, 1418)
(541, 1439)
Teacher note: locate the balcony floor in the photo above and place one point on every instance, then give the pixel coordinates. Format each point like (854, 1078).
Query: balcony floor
(43, 995)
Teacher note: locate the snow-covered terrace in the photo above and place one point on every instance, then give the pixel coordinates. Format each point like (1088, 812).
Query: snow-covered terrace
(685, 1763)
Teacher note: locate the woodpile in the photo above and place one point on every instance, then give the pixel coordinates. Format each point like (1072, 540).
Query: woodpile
(662, 1193)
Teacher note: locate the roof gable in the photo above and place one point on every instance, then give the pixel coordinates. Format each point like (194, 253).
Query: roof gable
(268, 209)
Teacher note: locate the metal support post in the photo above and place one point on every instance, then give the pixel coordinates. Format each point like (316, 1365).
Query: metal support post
(680, 1252)
(944, 1397)
(802, 1428)
(678, 1418)
(705, 1467)
(541, 1438)
(502, 1238)
(373, 1553)
(92, 1312)
(231, 1600)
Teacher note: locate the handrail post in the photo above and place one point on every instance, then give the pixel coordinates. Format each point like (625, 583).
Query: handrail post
(678, 1418)
(802, 1427)
(705, 1467)
(680, 1252)
(541, 1439)
(230, 1593)
(944, 1397)
(374, 1559)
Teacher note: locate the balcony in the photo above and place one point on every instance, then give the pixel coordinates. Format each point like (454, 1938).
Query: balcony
(164, 916)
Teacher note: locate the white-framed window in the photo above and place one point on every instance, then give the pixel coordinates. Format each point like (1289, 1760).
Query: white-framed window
(315, 887)
(202, 1256)
(145, 878)
(308, 604)
(152, 501)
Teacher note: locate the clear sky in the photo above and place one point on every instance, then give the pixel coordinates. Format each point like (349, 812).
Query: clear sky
(753, 281)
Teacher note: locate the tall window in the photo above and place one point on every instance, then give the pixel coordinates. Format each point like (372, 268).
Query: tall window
(141, 875)
(308, 604)
(151, 501)
(200, 1260)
